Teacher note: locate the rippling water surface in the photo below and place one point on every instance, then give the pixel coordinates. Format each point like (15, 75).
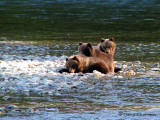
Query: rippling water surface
(73, 20)
(36, 37)
(30, 83)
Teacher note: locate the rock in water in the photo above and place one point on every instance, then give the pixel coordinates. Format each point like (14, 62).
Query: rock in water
(156, 65)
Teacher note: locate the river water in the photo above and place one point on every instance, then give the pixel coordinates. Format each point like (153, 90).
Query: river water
(36, 37)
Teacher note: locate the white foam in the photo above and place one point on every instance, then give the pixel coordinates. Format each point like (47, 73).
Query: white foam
(38, 76)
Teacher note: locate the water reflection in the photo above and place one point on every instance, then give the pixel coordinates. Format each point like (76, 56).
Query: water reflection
(126, 20)
(135, 26)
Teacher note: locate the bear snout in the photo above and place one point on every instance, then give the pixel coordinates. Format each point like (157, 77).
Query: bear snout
(71, 70)
(106, 51)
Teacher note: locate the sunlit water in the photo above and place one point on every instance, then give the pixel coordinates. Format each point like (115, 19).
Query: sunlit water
(31, 87)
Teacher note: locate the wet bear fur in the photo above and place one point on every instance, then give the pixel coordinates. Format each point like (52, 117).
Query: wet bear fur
(88, 50)
(107, 46)
(81, 63)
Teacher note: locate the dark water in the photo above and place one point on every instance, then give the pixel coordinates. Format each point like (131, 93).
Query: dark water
(55, 27)
(84, 20)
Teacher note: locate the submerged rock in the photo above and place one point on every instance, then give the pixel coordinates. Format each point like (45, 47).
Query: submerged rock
(137, 62)
(128, 72)
(156, 65)
(11, 107)
(2, 111)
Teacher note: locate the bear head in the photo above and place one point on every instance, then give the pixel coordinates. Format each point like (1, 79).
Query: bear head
(107, 46)
(72, 64)
(85, 49)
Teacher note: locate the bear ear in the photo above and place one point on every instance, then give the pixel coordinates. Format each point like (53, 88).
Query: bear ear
(66, 59)
(111, 39)
(75, 58)
(102, 40)
(89, 45)
(80, 43)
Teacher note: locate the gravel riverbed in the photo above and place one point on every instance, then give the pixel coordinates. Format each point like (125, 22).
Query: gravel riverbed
(27, 70)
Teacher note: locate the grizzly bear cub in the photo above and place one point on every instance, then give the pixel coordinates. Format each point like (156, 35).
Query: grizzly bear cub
(88, 50)
(84, 64)
(107, 46)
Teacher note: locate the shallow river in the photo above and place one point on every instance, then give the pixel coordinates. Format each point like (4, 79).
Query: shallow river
(35, 38)
(31, 87)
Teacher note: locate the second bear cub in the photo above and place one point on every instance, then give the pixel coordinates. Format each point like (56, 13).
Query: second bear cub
(88, 50)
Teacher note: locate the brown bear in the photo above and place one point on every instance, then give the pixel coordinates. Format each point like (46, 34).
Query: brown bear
(107, 46)
(84, 64)
(88, 50)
